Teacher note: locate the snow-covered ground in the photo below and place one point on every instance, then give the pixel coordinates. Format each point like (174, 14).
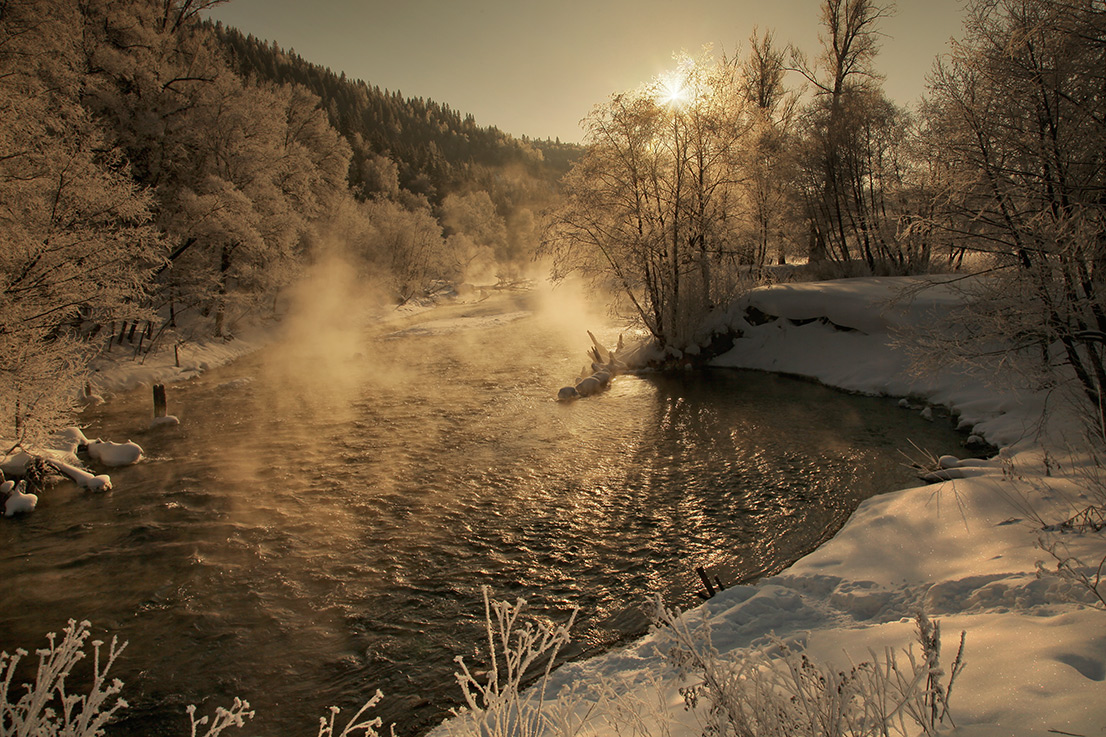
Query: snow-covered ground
(964, 550)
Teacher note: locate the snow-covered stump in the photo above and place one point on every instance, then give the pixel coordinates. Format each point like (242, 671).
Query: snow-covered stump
(161, 409)
(15, 500)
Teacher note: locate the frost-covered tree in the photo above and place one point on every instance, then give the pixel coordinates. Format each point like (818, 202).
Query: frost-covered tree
(266, 168)
(75, 234)
(849, 134)
(483, 239)
(1019, 117)
(409, 246)
(649, 206)
(770, 205)
(240, 172)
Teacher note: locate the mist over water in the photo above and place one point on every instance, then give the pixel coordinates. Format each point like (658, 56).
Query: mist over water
(322, 522)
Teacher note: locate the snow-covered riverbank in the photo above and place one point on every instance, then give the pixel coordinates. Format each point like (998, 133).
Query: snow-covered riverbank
(965, 550)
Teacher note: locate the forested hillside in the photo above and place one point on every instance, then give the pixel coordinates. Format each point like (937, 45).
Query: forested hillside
(435, 148)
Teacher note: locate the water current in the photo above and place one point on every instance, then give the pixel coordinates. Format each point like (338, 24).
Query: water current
(323, 521)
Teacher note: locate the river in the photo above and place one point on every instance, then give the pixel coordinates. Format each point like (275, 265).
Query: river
(323, 521)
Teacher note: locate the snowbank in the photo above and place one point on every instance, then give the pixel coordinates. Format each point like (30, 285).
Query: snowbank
(966, 550)
(844, 333)
(117, 372)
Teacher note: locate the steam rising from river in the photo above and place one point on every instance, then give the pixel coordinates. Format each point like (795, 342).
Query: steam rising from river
(325, 355)
(351, 361)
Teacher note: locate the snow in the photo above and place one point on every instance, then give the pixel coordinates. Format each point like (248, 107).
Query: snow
(117, 372)
(112, 454)
(866, 358)
(963, 549)
(15, 500)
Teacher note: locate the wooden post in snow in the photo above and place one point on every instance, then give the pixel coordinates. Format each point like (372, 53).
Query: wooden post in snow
(160, 405)
(706, 581)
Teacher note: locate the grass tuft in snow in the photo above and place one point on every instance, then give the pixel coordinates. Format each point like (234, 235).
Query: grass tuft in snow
(777, 691)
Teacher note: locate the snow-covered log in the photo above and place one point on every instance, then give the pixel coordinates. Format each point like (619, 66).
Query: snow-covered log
(82, 478)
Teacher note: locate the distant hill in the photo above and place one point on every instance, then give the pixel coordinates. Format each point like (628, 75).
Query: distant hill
(435, 149)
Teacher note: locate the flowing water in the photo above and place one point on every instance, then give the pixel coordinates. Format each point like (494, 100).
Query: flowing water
(322, 525)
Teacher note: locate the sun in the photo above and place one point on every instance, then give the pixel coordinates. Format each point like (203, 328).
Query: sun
(673, 89)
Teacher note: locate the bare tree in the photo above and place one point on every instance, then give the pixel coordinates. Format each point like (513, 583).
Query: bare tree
(844, 78)
(649, 206)
(1019, 112)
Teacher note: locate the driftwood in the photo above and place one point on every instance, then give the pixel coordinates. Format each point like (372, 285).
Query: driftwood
(604, 366)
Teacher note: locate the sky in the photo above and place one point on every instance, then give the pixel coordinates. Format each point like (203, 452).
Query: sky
(537, 68)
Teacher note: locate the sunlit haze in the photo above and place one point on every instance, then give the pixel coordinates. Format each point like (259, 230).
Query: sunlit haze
(536, 69)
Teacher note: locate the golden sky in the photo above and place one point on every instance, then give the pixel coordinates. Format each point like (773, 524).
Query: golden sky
(536, 68)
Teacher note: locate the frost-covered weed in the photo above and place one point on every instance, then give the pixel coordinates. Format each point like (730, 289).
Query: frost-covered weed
(235, 716)
(1089, 578)
(777, 691)
(358, 723)
(46, 708)
(774, 691)
(1080, 516)
(501, 702)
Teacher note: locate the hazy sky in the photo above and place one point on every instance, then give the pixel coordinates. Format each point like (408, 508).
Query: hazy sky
(537, 68)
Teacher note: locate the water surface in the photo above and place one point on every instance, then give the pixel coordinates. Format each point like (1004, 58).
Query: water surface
(321, 525)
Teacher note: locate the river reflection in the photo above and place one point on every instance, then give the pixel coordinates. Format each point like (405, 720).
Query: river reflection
(321, 526)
